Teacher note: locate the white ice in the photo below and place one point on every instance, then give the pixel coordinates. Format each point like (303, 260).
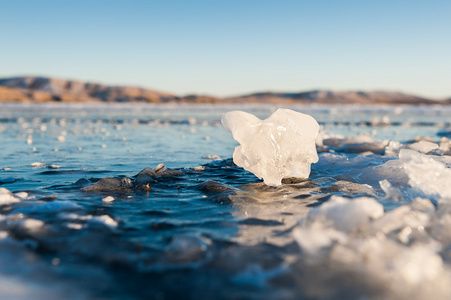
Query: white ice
(347, 215)
(432, 176)
(423, 146)
(283, 145)
(101, 219)
(392, 247)
(6, 197)
(108, 199)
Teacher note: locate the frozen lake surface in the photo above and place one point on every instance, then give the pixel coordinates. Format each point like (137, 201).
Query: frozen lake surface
(79, 221)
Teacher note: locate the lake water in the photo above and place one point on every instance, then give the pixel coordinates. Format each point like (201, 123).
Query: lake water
(213, 230)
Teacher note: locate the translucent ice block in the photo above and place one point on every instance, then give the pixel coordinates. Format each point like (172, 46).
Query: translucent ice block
(283, 145)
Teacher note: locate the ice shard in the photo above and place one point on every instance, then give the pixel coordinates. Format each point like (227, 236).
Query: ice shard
(283, 145)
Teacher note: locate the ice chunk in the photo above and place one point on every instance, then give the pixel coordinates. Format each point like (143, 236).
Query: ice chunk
(332, 221)
(105, 220)
(22, 195)
(108, 199)
(358, 237)
(423, 146)
(445, 146)
(417, 215)
(362, 144)
(418, 264)
(393, 148)
(313, 239)
(391, 192)
(101, 219)
(430, 176)
(37, 164)
(347, 215)
(32, 225)
(283, 145)
(6, 197)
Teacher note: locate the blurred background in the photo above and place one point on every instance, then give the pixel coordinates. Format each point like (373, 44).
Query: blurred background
(230, 48)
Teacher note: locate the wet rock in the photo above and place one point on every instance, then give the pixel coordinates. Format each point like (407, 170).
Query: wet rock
(160, 170)
(113, 185)
(260, 222)
(143, 180)
(345, 177)
(294, 180)
(147, 171)
(350, 188)
(82, 181)
(221, 193)
(214, 187)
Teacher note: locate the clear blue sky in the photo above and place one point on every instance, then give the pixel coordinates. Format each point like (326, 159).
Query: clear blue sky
(232, 47)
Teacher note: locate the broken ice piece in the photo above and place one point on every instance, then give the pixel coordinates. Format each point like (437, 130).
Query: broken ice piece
(283, 145)
(6, 197)
(108, 199)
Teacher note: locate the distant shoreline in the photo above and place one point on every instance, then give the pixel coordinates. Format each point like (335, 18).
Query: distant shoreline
(31, 89)
(219, 106)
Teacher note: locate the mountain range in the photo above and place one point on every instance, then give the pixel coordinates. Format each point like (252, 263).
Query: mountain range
(45, 89)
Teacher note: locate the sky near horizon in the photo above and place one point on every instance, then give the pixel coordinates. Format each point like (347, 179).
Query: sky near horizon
(233, 47)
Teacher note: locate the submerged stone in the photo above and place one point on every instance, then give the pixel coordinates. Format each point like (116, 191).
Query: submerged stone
(108, 184)
(159, 170)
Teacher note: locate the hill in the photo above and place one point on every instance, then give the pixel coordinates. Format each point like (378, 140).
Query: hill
(41, 89)
(45, 89)
(333, 97)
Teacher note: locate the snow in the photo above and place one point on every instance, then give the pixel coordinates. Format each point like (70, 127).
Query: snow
(283, 145)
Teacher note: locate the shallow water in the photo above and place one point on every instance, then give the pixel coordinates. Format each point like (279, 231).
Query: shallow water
(214, 231)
